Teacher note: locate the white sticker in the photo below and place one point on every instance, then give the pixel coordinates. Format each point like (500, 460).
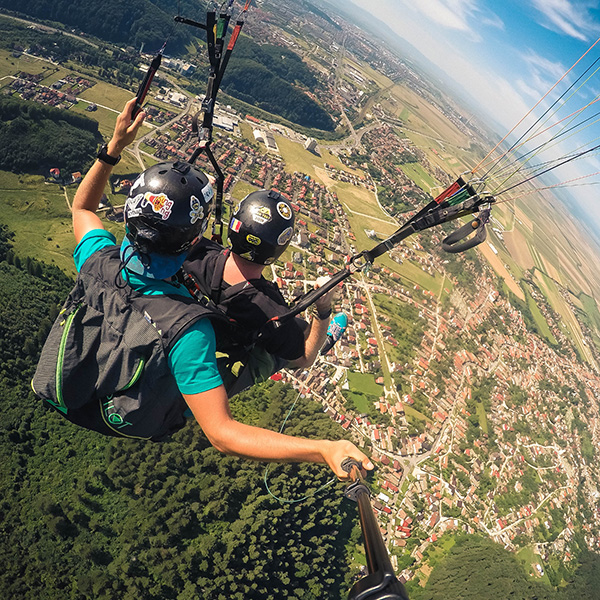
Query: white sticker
(208, 192)
(284, 210)
(197, 211)
(141, 180)
(261, 214)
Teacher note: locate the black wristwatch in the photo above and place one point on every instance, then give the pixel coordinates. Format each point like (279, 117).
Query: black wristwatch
(105, 157)
(322, 316)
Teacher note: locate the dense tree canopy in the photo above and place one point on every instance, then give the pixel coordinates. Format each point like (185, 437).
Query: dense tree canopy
(84, 516)
(477, 568)
(130, 23)
(268, 77)
(35, 138)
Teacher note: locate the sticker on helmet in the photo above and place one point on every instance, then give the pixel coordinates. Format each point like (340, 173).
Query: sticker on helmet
(160, 204)
(141, 180)
(252, 239)
(284, 210)
(208, 192)
(285, 236)
(261, 214)
(236, 209)
(248, 255)
(197, 211)
(235, 225)
(132, 206)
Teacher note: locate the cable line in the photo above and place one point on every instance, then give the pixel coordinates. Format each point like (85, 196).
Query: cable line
(535, 106)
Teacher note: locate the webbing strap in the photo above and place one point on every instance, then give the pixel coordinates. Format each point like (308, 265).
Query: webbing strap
(210, 40)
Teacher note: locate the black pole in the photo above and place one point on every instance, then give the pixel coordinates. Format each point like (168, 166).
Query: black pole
(381, 582)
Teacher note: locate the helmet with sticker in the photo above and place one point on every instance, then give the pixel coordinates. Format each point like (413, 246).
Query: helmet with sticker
(168, 207)
(261, 227)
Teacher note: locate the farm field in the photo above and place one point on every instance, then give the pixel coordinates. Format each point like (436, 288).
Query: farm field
(420, 176)
(242, 189)
(303, 161)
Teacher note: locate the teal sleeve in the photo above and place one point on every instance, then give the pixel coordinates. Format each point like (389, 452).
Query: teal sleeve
(91, 242)
(192, 360)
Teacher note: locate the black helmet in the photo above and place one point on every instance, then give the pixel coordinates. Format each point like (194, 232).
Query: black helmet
(261, 227)
(168, 207)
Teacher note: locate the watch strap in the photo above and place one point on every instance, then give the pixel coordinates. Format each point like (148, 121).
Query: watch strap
(105, 157)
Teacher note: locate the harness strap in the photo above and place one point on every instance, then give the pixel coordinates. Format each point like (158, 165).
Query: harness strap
(451, 243)
(217, 277)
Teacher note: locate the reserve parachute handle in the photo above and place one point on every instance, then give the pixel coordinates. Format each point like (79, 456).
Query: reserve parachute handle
(380, 583)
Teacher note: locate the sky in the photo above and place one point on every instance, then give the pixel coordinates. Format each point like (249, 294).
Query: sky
(508, 54)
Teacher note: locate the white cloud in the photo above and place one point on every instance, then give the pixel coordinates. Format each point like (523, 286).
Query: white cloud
(452, 14)
(567, 17)
(527, 89)
(458, 15)
(543, 73)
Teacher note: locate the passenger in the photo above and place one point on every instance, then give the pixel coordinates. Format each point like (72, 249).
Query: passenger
(166, 212)
(260, 230)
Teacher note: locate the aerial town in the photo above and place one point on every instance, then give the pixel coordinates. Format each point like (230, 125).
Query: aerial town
(476, 423)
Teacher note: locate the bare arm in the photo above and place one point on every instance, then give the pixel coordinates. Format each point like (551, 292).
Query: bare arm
(211, 410)
(317, 332)
(91, 188)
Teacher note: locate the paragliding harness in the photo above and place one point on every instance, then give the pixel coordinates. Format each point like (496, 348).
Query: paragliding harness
(104, 365)
(242, 341)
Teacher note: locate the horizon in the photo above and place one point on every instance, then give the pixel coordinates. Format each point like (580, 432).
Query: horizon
(509, 55)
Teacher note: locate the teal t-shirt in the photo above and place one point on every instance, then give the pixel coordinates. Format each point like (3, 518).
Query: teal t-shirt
(192, 359)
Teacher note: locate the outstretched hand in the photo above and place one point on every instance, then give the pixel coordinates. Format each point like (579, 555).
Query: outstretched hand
(334, 454)
(126, 128)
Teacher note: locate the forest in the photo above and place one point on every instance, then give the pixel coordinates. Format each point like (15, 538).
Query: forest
(35, 138)
(84, 516)
(476, 568)
(131, 23)
(272, 79)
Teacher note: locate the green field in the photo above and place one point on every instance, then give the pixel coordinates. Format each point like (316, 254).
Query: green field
(528, 558)
(420, 176)
(365, 383)
(108, 95)
(39, 216)
(9, 65)
(539, 319)
(242, 189)
(412, 273)
(363, 404)
(413, 413)
(482, 418)
(298, 159)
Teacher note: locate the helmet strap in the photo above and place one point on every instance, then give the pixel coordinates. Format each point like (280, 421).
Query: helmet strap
(123, 268)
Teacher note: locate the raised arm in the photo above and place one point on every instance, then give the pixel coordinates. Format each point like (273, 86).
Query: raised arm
(227, 435)
(90, 190)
